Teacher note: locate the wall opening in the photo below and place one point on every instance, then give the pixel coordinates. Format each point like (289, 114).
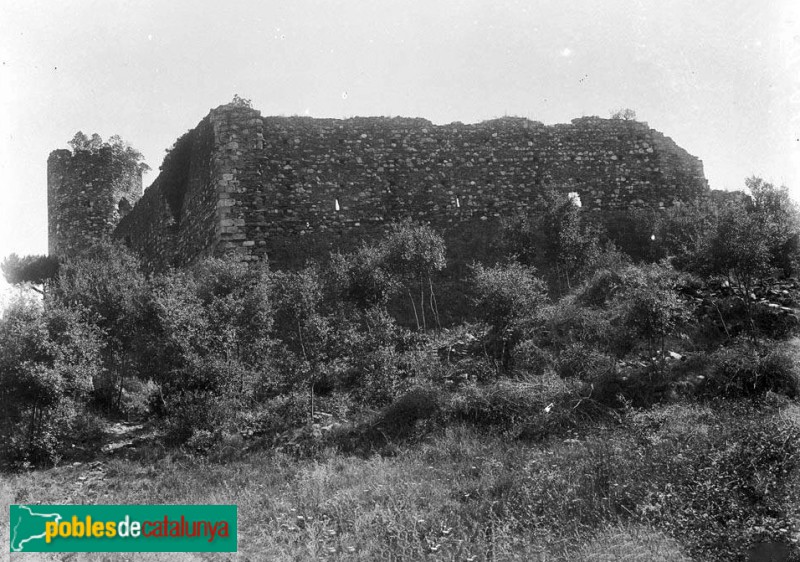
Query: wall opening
(124, 206)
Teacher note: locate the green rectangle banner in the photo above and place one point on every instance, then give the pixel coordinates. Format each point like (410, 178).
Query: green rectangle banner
(123, 528)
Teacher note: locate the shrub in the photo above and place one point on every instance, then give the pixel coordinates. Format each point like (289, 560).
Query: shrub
(583, 362)
(650, 307)
(780, 369)
(104, 284)
(774, 323)
(48, 360)
(398, 420)
(362, 277)
(601, 289)
(531, 359)
(631, 305)
(413, 252)
(377, 378)
(506, 294)
(189, 412)
(554, 237)
(564, 323)
(200, 441)
(639, 387)
(137, 396)
(502, 405)
(533, 407)
(87, 432)
(299, 321)
(213, 347)
(745, 370)
(276, 415)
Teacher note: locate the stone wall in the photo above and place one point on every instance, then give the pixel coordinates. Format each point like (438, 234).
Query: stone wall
(176, 220)
(284, 187)
(88, 193)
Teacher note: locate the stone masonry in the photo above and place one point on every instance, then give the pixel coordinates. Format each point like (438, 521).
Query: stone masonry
(278, 186)
(88, 192)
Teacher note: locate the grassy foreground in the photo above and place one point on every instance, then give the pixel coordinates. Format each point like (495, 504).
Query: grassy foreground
(672, 483)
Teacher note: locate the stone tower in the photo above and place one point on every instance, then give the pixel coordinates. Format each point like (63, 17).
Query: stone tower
(88, 192)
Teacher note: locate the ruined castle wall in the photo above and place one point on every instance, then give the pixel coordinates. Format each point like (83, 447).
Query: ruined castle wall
(150, 230)
(88, 193)
(280, 186)
(378, 170)
(176, 219)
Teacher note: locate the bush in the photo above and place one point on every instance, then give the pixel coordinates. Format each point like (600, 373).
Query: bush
(534, 407)
(502, 405)
(564, 323)
(601, 289)
(506, 295)
(745, 370)
(583, 362)
(639, 387)
(104, 284)
(277, 415)
(399, 419)
(87, 432)
(555, 238)
(377, 378)
(413, 252)
(197, 410)
(137, 397)
(48, 359)
(774, 323)
(213, 344)
(362, 277)
(531, 359)
(780, 369)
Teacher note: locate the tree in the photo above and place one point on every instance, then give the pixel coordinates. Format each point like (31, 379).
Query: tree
(121, 150)
(79, 142)
(414, 252)
(739, 249)
(506, 295)
(48, 359)
(363, 278)
(553, 238)
(211, 342)
(104, 283)
(241, 102)
(651, 307)
(300, 323)
(623, 113)
(684, 232)
(781, 219)
(220, 308)
(38, 272)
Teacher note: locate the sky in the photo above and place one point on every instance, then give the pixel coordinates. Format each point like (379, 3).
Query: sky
(721, 77)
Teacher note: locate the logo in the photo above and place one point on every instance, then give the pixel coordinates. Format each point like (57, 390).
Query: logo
(123, 528)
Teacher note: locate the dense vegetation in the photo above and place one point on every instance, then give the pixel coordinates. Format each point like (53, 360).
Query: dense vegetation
(120, 150)
(594, 403)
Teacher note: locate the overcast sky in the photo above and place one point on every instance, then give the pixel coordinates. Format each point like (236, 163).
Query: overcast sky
(719, 77)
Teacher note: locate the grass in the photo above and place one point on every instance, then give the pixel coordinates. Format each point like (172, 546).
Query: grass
(465, 493)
